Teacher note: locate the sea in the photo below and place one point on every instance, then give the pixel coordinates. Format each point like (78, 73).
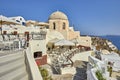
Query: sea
(115, 39)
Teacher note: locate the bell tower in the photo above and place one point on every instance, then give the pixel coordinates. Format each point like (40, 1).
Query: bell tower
(58, 21)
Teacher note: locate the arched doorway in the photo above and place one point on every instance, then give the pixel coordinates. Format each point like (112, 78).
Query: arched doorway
(64, 25)
(54, 26)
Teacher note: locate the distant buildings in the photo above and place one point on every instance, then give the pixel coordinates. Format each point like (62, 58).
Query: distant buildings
(39, 34)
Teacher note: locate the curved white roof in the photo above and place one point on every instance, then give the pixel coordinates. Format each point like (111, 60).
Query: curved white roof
(6, 20)
(64, 42)
(53, 34)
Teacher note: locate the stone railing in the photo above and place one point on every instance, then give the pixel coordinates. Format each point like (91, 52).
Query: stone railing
(13, 67)
(18, 65)
(96, 65)
(32, 66)
(91, 73)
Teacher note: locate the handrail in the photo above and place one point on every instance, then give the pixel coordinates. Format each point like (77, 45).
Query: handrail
(35, 74)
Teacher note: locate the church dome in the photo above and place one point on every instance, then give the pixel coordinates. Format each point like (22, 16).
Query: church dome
(58, 15)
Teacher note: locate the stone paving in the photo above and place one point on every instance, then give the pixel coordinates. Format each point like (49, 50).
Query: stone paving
(81, 68)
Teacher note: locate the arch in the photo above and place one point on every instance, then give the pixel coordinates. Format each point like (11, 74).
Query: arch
(54, 26)
(64, 25)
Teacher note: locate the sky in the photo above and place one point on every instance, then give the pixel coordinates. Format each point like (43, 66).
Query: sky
(90, 17)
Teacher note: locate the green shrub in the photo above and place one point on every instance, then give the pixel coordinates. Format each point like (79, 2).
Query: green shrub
(109, 69)
(45, 74)
(99, 75)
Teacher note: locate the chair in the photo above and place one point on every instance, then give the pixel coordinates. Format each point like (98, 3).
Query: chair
(1, 38)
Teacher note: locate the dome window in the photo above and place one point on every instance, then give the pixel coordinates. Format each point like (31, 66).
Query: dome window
(64, 25)
(23, 23)
(54, 26)
(20, 18)
(17, 20)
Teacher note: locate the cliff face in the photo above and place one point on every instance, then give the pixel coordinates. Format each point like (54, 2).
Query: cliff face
(102, 44)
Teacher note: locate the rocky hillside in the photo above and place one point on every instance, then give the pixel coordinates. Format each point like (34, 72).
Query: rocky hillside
(102, 44)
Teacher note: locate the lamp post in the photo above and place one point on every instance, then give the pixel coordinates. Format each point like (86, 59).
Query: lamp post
(76, 42)
(1, 25)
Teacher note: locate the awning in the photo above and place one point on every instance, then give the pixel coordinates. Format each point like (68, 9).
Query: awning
(64, 42)
(54, 40)
(75, 40)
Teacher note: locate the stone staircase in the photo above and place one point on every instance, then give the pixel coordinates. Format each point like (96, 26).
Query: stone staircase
(13, 67)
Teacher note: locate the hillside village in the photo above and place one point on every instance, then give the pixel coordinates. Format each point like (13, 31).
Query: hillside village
(53, 50)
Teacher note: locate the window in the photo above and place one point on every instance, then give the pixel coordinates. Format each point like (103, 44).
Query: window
(54, 26)
(37, 54)
(64, 25)
(17, 20)
(23, 23)
(20, 18)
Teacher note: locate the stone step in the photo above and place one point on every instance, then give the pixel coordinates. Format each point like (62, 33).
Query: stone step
(21, 76)
(10, 57)
(8, 68)
(25, 77)
(14, 74)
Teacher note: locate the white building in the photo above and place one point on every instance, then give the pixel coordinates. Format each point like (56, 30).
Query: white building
(57, 26)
